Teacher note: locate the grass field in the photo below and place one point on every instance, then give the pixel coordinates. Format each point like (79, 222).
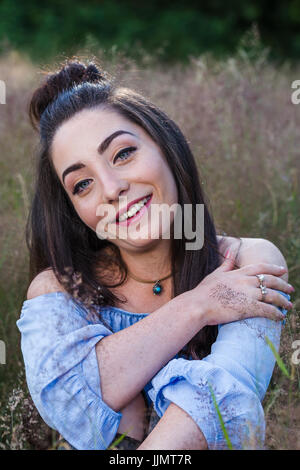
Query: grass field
(244, 131)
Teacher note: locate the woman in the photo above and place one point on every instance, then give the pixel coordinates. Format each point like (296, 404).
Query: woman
(192, 334)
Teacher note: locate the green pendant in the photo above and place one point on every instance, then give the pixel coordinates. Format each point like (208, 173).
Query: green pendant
(157, 288)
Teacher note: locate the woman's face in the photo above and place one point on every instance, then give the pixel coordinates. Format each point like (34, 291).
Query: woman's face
(99, 157)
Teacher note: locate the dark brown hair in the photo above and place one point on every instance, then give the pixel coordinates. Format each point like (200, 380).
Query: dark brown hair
(56, 236)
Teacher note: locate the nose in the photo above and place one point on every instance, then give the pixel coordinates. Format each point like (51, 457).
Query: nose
(113, 186)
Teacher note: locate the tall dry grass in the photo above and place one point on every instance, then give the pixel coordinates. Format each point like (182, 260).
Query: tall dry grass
(244, 131)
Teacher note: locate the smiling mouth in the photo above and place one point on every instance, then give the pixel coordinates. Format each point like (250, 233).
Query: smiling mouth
(134, 209)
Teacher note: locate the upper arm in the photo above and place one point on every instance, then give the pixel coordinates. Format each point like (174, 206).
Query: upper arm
(58, 340)
(44, 283)
(245, 339)
(252, 251)
(259, 250)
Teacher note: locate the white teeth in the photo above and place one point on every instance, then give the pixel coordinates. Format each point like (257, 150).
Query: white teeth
(133, 209)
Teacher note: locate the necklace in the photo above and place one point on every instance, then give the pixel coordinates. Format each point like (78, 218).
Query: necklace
(157, 288)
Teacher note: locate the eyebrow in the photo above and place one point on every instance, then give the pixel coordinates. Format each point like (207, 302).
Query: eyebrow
(106, 142)
(101, 149)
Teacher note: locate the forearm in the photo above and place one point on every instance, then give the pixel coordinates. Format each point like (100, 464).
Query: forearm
(130, 358)
(175, 430)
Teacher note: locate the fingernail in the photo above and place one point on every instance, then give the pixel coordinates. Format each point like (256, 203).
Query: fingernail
(291, 305)
(291, 288)
(282, 268)
(227, 254)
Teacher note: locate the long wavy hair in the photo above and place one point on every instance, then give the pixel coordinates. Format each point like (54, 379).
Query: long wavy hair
(55, 235)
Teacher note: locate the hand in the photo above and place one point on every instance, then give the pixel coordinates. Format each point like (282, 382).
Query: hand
(228, 295)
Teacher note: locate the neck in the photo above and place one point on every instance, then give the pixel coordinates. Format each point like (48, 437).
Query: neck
(151, 264)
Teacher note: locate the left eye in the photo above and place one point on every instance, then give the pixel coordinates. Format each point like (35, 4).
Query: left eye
(127, 152)
(79, 187)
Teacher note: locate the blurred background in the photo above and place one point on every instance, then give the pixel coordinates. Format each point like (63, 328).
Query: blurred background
(172, 29)
(223, 71)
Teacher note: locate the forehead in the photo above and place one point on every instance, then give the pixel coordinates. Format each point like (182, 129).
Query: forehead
(88, 128)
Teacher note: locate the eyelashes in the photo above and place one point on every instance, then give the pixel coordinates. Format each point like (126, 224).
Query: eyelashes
(78, 188)
(126, 150)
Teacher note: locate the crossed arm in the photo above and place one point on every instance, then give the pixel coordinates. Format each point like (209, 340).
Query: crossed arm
(77, 360)
(176, 429)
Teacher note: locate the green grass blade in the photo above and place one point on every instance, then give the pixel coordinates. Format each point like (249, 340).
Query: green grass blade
(221, 419)
(117, 441)
(277, 357)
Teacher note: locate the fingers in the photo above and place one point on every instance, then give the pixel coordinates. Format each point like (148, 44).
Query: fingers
(263, 268)
(262, 309)
(273, 297)
(274, 282)
(278, 300)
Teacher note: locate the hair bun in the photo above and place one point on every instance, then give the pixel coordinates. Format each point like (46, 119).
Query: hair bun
(71, 74)
(92, 74)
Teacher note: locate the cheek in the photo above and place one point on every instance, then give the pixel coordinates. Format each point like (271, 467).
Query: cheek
(169, 184)
(87, 215)
(159, 171)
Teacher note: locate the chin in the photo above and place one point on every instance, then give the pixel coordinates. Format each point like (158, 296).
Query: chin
(142, 244)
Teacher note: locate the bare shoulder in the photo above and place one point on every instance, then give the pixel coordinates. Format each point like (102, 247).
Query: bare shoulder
(44, 283)
(257, 250)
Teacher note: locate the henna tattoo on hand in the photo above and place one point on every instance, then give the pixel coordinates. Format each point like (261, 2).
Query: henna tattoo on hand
(233, 299)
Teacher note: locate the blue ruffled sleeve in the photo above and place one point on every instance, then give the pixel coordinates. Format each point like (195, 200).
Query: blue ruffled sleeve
(58, 345)
(232, 380)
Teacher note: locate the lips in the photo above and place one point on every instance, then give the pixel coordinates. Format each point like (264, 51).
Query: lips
(125, 209)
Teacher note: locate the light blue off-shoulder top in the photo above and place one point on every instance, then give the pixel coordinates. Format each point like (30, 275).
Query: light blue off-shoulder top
(223, 390)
